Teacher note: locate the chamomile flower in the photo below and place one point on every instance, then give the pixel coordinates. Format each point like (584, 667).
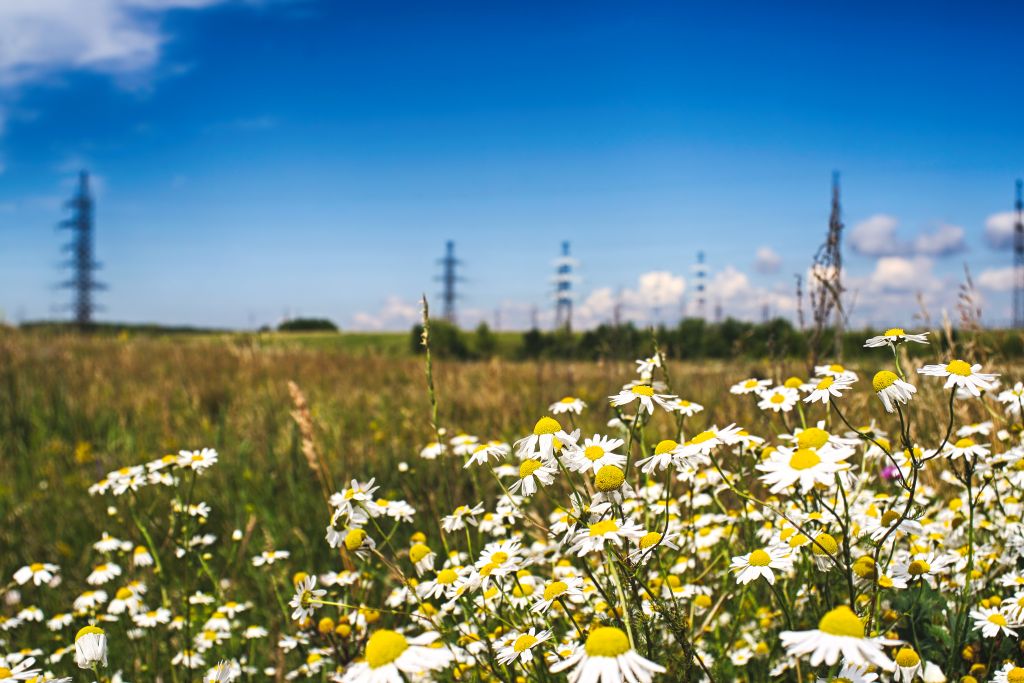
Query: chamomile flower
(90, 647)
(962, 375)
(891, 389)
(197, 460)
(22, 671)
(593, 537)
(1012, 398)
(828, 387)
(702, 444)
(38, 573)
(441, 585)
(390, 657)
(852, 673)
(835, 370)
(839, 632)
(750, 386)
(484, 452)
(569, 404)
(519, 646)
(908, 665)
(542, 442)
(645, 394)
(991, 622)
(103, 573)
(596, 452)
(894, 336)
(664, 455)
(268, 557)
(803, 467)
(534, 473)
(462, 516)
(607, 656)
(1010, 673)
(760, 563)
(303, 602)
(967, 448)
(422, 557)
(565, 588)
(686, 408)
(780, 399)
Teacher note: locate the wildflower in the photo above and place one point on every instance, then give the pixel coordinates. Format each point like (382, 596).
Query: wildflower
(568, 404)
(804, 467)
(462, 516)
(441, 585)
(38, 573)
(967, 448)
(190, 659)
(482, 453)
(531, 473)
(141, 557)
(422, 557)
(835, 370)
(565, 588)
(607, 656)
(103, 573)
(761, 562)
(390, 656)
(840, 631)
(547, 436)
(702, 444)
(645, 394)
(852, 673)
(894, 336)
(687, 408)
(596, 535)
(197, 460)
(750, 386)
(21, 671)
(664, 454)
(223, 672)
(991, 622)
(268, 557)
(892, 389)
(826, 388)
(90, 647)
(520, 646)
(646, 544)
(646, 366)
(908, 665)
(962, 375)
(779, 399)
(303, 603)
(596, 452)
(1010, 673)
(432, 450)
(1012, 398)
(152, 618)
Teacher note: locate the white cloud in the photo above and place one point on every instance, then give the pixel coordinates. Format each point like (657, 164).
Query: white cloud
(657, 294)
(999, 229)
(39, 38)
(996, 279)
(945, 240)
(896, 274)
(876, 236)
(767, 260)
(395, 314)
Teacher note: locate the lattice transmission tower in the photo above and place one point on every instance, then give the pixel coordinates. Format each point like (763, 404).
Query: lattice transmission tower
(700, 274)
(1018, 259)
(82, 263)
(563, 288)
(449, 277)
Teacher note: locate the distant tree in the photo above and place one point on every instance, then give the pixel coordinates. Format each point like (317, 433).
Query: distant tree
(484, 343)
(307, 325)
(446, 340)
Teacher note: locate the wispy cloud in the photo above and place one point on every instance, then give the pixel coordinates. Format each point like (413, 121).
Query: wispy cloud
(877, 236)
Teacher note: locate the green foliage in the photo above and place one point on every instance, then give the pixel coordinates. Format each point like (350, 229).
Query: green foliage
(307, 325)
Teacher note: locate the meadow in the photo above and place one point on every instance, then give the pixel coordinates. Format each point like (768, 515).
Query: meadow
(300, 426)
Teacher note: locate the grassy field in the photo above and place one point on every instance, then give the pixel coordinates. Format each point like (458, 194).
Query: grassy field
(73, 408)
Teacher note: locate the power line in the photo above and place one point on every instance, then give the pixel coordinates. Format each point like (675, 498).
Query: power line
(1018, 260)
(82, 262)
(563, 289)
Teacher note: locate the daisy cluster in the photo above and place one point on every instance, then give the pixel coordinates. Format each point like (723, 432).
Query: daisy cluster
(857, 531)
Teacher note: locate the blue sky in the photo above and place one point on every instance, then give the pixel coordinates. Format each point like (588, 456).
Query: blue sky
(261, 158)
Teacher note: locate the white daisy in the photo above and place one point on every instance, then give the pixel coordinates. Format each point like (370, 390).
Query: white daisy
(542, 442)
(894, 336)
(565, 588)
(804, 467)
(533, 474)
(750, 386)
(967, 448)
(963, 376)
(38, 573)
(991, 622)
(645, 394)
(826, 388)
(840, 632)
(761, 562)
(892, 389)
(596, 452)
(607, 656)
(594, 537)
(519, 646)
(569, 404)
(390, 657)
(302, 603)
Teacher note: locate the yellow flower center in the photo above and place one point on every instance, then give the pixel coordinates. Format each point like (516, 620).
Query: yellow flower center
(554, 589)
(883, 380)
(528, 467)
(842, 622)
(895, 332)
(499, 557)
(826, 541)
(122, 594)
(702, 437)
(966, 442)
(793, 383)
(1015, 675)
(918, 568)
(523, 590)
(804, 458)
(759, 558)
(446, 577)
(703, 601)
(906, 656)
(835, 367)
(547, 425)
(36, 567)
(825, 383)
(609, 478)
(997, 619)
(418, 552)
(354, 538)
(890, 517)
(642, 390)
(568, 399)
(777, 399)
(607, 526)
(88, 630)
(959, 367)
(385, 647)
(606, 641)
(649, 539)
(593, 453)
(666, 446)
(524, 642)
(812, 437)
(750, 384)
(5, 673)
